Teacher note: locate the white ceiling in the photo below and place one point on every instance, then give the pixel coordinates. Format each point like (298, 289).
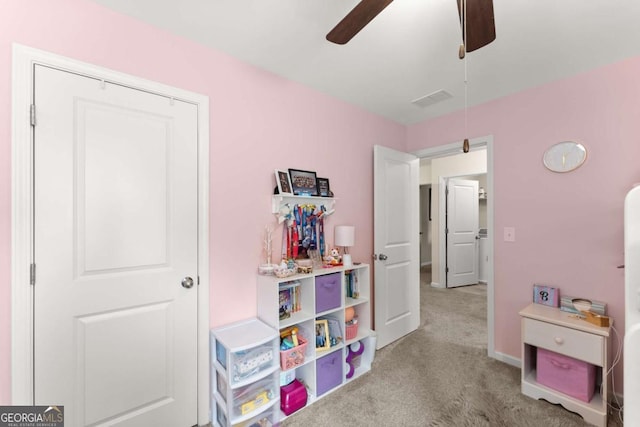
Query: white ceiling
(409, 50)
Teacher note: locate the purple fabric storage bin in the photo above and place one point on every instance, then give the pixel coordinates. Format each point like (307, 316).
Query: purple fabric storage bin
(328, 372)
(565, 374)
(328, 293)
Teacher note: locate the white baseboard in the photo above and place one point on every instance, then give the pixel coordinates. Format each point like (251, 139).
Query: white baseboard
(509, 360)
(436, 285)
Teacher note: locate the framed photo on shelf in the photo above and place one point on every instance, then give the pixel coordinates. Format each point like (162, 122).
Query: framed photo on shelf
(323, 187)
(335, 333)
(303, 183)
(284, 182)
(323, 341)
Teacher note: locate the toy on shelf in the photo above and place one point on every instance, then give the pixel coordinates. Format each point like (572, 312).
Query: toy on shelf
(333, 259)
(335, 332)
(355, 351)
(292, 348)
(286, 269)
(305, 266)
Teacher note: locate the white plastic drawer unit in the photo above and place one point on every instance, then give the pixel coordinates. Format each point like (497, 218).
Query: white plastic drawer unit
(245, 355)
(577, 344)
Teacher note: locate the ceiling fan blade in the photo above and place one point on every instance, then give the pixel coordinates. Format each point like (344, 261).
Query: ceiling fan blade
(480, 25)
(356, 20)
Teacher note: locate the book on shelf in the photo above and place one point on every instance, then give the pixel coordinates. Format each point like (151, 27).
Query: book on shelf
(351, 283)
(289, 298)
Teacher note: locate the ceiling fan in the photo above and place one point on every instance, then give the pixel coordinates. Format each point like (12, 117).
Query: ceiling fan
(478, 21)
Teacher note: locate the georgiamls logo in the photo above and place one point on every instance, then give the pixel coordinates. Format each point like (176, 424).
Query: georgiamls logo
(31, 416)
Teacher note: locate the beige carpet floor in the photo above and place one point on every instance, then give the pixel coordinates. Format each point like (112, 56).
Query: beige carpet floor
(438, 376)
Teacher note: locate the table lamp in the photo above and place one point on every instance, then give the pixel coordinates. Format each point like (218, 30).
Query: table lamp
(345, 236)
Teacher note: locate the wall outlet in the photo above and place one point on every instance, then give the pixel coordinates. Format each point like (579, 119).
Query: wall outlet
(509, 234)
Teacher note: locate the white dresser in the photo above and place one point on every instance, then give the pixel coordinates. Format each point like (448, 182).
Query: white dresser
(564, 333)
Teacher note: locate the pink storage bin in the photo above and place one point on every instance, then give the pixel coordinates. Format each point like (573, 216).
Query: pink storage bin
(293, 357)
(351, 331)
(565, 374)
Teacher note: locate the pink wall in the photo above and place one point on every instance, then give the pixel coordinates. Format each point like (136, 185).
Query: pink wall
(569, 227)
(258, 122)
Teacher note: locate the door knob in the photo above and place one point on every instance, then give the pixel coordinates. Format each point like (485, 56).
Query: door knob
(187, 282)
(382, 257)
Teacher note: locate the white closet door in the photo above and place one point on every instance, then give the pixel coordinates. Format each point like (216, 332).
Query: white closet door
(462, 234)
(115, 235)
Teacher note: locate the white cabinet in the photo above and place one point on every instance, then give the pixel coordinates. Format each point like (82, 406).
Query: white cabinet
(561, 332)
(327, 293)
(244, 374)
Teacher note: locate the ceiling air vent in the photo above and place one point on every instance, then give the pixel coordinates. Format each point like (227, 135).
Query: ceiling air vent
(432, 98)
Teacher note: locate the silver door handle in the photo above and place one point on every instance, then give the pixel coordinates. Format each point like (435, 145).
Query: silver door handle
(382, 257)
(187, 283)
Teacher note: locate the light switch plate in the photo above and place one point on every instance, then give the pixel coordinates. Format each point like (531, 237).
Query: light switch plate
(509, 234)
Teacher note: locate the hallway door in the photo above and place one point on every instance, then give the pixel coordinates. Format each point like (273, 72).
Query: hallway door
(462, 232)
(116, 233)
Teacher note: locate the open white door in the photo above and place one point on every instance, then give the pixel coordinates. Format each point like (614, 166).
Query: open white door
(462, 232)
(396, 244)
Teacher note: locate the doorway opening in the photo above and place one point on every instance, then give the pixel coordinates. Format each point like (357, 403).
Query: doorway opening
(478, 147)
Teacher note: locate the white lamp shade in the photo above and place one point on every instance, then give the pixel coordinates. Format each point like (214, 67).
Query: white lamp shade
(344, 235)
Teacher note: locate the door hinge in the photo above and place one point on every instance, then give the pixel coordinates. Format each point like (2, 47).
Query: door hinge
(32, 274)
(447, 270)
(32, 114)
(198, 280)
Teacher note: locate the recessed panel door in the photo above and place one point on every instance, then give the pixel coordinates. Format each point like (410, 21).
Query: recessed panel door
(396, 244)
(462, 232)
(116, 253)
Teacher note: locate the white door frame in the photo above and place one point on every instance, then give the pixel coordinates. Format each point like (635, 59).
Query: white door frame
(448, 150)
(22, 213)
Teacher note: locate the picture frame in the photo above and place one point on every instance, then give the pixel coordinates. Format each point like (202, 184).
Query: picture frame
(323, 187)
(283, 181)
(335, 332)
(323, 340)
(545, 295)
(303, 183)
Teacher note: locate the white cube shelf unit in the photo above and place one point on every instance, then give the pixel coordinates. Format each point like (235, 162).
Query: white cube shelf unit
(244, 374)
(323, 295)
